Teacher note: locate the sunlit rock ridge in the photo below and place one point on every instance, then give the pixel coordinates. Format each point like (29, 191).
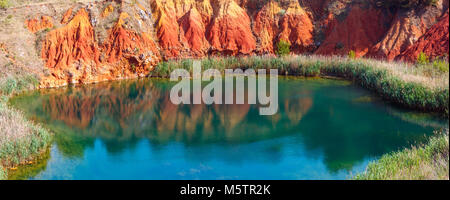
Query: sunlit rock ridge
(96, 41)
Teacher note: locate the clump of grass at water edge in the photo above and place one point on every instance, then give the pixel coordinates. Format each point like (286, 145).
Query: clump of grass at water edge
(429, 161)
(21, 141)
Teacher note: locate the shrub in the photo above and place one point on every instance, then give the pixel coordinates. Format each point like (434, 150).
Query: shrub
(4, 4)
(283, 48)
(441, 65)
(17, 84)
(422, 59)
(352, 54)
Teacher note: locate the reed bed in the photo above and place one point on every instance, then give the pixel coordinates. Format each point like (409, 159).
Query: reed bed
(21, 141)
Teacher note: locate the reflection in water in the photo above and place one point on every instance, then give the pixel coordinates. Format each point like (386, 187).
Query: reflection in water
(322, 130)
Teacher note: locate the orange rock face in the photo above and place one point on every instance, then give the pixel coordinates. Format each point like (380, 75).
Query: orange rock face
(406, 28)
(194, 27)
(66, 17)
(297, 29)
(434, 43)
(110, 40)
(266, 27)
(73, 56)
(356, 29)
(230, 31)
(167, 27)
(194, 31)
(131, 48)
(63, 46)
(291, 24)
(34, 25)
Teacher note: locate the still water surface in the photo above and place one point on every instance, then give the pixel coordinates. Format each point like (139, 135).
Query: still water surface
(325, 129)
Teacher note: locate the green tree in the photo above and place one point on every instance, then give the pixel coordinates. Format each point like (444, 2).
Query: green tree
(283, 48)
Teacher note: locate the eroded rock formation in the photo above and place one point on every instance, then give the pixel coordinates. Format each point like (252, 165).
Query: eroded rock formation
(289, 23)
(354, 27)
(406, 28)
(230, 30)
(73, 53)
(110, 40)
(35, 25)
(434, 43)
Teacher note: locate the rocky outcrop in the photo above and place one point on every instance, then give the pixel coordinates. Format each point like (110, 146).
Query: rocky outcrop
(406, 28)
(66, 16)
(355, 27)
(194, 30)
(316, 7)
(63, 46)
(434, 43)
(230, 31)
(297, 28)
(289, 23)
(167, 28)
(109, 40)
(130, 48)
(74, 55)
(35, 25)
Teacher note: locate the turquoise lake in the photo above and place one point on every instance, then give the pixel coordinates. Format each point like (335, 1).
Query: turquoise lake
(324, 129)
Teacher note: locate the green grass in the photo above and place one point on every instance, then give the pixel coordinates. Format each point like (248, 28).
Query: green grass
(425, 162)
(20, 140)
(3, 174)
(16, 84)
(419, 88)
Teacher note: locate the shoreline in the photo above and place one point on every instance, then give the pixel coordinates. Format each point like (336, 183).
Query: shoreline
(385, 83)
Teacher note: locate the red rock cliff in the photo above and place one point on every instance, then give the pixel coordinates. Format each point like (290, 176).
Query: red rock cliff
(109, 40)
(434, 43)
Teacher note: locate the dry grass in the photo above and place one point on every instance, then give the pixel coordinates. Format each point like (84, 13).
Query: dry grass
(405, 71)
(12, 125)
(20, 139)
